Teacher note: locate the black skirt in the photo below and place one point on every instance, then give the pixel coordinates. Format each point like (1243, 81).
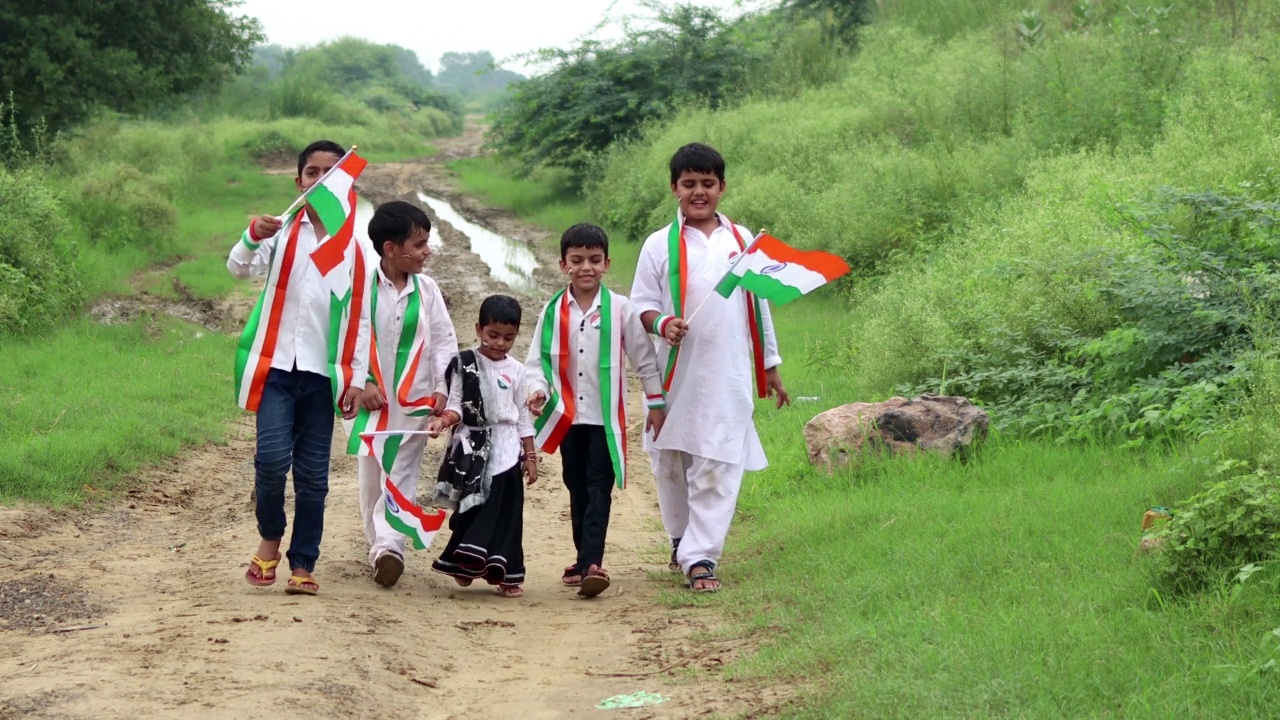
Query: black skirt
(487, 541)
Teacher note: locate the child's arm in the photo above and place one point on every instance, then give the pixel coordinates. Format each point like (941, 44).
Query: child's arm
(536, 382)
(452, 414)
(773, 381)
(644, 360)
(524, 423)
(444, 342)
(649, 293)
(251, 254)
(351, 397)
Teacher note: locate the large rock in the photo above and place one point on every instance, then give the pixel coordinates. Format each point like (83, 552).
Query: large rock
(941, 423)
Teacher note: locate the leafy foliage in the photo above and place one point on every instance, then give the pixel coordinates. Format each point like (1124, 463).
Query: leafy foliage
(62, 61)
(476, 78)
(1173, 356)
(1232, 523)
(597, 93)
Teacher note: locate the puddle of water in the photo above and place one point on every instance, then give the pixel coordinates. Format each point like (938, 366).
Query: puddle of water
(364, 212)
(510, 262)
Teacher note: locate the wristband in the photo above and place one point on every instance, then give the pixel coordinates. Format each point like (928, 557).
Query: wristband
(655, 402)
(660, 324)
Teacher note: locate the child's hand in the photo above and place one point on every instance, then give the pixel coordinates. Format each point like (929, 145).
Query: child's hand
(773, 385)
(536, 402)
(372, 397)
(531, 468)
(675, 331)
(350, 404)
(438, 402)
(657, 416)
(437, 425)
(264, 226)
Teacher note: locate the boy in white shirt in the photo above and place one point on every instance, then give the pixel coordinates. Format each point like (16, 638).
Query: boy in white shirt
(292, 373)
(413, 342)
(576, 356)
(709, 437)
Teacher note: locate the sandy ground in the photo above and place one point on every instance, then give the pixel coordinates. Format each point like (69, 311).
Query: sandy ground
(140, 609)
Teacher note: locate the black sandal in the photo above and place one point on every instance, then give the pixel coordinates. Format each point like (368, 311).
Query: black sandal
(706, 575)
(674, 566)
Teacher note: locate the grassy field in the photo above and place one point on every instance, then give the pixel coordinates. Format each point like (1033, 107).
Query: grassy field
(1006, 585)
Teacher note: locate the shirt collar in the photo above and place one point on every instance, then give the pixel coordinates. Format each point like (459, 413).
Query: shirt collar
(384, 281)
(595, 302)
(724, 221)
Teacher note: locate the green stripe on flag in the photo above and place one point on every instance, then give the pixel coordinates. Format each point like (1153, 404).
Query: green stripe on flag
(728, 284)
(404, 529)
(769, 288)
(390, 449)
(408, 333)
(328, 207)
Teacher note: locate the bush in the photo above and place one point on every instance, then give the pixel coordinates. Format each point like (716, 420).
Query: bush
(120, 206)
(1233, 522)
(38, 283)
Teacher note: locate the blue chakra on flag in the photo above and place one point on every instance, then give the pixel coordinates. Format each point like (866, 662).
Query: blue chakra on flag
(594, 320)
(771, 269)
(504, 382)
(391, 504)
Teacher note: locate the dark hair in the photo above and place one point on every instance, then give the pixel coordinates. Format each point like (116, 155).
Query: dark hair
(395, 221)
(502, 309)
(328, 146)
(698, 158)
(584, 235)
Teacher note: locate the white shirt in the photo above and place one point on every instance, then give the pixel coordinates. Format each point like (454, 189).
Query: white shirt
(441, 342)
(503, 389)
(710, 404)
(584, 356)
(303, 339)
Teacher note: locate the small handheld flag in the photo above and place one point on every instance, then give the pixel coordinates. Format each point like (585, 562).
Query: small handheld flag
(402, 514)
(779, 273)
(333, 197)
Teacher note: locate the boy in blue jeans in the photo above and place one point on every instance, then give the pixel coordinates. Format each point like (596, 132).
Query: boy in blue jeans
(295, 362)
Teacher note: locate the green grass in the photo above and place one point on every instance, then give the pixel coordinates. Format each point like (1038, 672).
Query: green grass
(88, 404)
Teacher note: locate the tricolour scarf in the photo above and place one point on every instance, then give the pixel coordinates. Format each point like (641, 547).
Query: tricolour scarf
(678, 269)
(561, 408)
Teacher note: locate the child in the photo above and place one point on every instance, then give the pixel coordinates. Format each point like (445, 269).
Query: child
(709, 439)
(577, 351)
(480, 475)
(413, 342)
(290, 371)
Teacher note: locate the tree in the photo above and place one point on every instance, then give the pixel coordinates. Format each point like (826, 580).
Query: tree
(844, 16)
(597, 93)
(63, 60)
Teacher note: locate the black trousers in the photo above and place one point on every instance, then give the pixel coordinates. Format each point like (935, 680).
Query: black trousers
(588, 474)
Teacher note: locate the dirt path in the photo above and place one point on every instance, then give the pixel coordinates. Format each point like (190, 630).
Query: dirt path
(159, 623)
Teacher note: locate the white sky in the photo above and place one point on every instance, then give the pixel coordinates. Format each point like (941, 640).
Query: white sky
(431, 28)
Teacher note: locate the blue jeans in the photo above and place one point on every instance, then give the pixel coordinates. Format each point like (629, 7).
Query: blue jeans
(295, 428)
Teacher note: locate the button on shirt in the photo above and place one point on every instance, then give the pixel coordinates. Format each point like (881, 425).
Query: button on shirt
(303, 339)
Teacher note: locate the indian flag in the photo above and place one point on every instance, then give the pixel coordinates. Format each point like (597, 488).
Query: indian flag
(334, 200)
(779, 273)
(402, 514)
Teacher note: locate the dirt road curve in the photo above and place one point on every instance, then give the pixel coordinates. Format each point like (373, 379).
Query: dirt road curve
(156, 620)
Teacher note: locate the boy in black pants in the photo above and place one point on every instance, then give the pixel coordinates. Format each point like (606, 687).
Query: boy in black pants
(577, 389)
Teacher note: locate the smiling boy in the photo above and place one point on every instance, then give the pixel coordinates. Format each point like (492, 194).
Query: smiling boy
(413, 343)
(577, 357)
(710, 367)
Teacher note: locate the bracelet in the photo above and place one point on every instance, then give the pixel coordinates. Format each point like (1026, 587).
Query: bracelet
(528, 456)
(660, 324)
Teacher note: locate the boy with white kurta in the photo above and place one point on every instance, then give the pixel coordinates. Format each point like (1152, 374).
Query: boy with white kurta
(576, 357)
(711, 365)
(296, 362)
(413, 342)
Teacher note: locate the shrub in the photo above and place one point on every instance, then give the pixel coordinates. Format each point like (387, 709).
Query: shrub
(119, 206)
(38, 283)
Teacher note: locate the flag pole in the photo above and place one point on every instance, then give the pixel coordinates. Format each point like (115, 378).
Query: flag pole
(303, 197)
(736, 260)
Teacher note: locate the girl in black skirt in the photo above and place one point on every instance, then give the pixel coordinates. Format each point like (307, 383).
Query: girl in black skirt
(491, 448)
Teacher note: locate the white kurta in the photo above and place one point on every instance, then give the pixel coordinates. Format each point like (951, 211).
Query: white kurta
(710, 404)
(441, 346)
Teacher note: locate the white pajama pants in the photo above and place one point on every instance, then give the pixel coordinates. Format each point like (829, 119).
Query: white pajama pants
(697, 497)
(404, 473)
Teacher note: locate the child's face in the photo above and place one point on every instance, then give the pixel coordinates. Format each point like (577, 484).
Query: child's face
(496, 339)
(699, 194)
(411, 257)
(585, 268)
(318, 163)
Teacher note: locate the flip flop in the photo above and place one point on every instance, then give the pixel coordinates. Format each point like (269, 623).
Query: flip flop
(262, 579)
(571, 576)
(707, 575)
(595, 582)
(674, 566)
(510, 591)
(298, 585)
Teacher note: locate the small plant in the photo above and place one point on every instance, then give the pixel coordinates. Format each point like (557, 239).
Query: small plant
(1228, 528)
(1030, 27)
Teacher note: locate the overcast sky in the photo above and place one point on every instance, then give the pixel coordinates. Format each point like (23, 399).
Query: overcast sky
(432, 27)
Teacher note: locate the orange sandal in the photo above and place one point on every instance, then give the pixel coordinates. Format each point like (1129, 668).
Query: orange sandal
(302, 585)
(510, 591)
(266, 571)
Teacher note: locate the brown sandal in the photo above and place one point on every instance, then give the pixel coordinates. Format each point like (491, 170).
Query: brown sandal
(510, 591)
(571, 576)
(595, 582)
